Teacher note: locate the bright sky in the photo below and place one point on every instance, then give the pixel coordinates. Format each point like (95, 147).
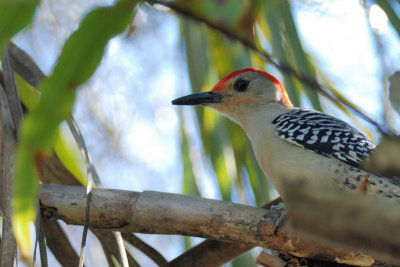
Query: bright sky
(125, 113)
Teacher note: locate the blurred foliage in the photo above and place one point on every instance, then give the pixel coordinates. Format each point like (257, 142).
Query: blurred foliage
(210, 56)
(65, 146)
(289, 50)
(14, 16)
(395, 91)
(235, 16)
(81, 54)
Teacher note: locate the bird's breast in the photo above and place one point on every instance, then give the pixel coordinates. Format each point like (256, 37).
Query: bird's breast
(280, 160)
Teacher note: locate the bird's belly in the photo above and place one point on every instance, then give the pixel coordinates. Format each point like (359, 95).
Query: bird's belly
(285, 164)
(282, 161)
(302, 165)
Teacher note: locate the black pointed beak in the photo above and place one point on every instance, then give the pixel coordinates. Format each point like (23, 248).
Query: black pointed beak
(200, 99)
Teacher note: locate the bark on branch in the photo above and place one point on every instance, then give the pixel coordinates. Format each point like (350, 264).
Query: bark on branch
(214, 253)
(163, 213)
(327, 214)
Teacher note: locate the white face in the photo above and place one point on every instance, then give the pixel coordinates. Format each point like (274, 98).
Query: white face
(241, 94)
(247, 91)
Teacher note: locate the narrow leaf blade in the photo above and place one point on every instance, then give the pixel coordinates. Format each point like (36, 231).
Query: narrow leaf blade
(79, 58)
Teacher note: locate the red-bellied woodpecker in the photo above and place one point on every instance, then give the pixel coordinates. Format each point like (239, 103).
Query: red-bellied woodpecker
(290, 142)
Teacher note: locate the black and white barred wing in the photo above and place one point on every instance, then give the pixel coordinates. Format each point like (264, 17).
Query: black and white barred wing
(324, 135)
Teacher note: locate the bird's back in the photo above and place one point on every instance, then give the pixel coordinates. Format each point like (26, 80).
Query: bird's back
(323, 134)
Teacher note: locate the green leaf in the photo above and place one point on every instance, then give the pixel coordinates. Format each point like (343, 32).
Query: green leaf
(69, 153)
(28, 94)
(65, 145)
(79, 58)
(14, 16)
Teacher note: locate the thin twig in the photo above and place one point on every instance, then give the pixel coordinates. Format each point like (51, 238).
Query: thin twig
(283, 67)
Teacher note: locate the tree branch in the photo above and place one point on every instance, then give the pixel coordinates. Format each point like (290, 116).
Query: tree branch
(162, 213)
(326, 214)
(214, 252)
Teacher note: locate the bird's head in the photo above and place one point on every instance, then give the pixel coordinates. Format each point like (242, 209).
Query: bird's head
(240, 92)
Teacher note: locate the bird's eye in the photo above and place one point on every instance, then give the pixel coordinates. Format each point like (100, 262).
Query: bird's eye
(241, 85)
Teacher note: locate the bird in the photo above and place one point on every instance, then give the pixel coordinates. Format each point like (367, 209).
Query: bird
(292, 143)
